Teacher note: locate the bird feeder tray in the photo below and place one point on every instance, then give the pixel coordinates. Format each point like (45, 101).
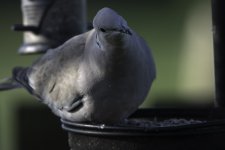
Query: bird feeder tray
(200, 129)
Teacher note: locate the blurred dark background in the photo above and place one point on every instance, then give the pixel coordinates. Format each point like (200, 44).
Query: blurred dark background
(179, 33)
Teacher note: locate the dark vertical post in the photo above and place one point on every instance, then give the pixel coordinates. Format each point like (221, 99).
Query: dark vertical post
(218, 16)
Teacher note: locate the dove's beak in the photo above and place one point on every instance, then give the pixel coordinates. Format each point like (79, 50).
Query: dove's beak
(126, 31)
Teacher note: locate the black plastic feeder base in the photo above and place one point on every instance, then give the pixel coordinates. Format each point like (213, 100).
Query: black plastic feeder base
(206, 130)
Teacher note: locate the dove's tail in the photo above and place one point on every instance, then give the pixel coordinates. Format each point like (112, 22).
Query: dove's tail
(9, 84)
(18, 80)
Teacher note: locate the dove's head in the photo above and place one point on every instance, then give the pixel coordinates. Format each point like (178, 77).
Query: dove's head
(110, 26)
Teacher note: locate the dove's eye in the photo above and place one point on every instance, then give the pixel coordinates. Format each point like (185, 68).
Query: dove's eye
(103, 30)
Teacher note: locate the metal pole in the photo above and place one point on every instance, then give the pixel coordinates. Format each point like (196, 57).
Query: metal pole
(218, 16)
(49, 23)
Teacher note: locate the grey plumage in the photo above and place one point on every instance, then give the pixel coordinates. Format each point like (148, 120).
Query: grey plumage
(101, 76)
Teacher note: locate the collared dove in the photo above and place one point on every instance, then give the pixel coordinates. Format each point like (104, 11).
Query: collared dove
(101, 76)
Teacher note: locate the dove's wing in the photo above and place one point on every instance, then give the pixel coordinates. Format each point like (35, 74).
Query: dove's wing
(52, 77)
(149, 64)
